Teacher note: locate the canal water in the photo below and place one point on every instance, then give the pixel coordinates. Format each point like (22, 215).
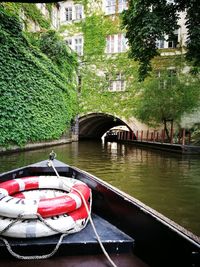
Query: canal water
(167, 182)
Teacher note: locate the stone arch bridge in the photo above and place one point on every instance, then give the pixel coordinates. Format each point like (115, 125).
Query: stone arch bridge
(94, 125)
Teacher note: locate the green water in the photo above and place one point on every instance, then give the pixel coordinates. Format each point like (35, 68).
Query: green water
(169, 183)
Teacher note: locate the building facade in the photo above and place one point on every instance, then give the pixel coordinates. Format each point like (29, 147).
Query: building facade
(108, 79)
(93, 30)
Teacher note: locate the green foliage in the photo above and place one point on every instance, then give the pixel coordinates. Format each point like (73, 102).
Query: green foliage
(33, 13)
(146, 21)
(193, 22)
(167, 98)
(9, 22)
(33, 38)
(53, 45)
(49, 7)
(97, 66)
(99, 69)
(196, 135)
(30, 11)
(37, 101)
(96, 78)
(94, 35)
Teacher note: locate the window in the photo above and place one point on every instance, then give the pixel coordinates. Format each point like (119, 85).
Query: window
(110, 7)
(115, 6)
(160, 43)
(68, 13)
(162, 84)
(76, 44)
(116, 84)
(121, 43)
(122, 5)
(116, 43)
(172, 72)
(78, 12)
(170, 1)
(110, 44)
(173, 40)
(55, 17)
(69, 42)
(165, 79)
(172, 43)
(74, 12)
(168, 42)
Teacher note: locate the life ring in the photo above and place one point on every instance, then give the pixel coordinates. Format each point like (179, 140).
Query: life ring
(13, 207)
(40, 194)
(70, 223)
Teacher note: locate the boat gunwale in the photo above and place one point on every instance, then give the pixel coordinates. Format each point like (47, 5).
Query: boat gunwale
(152, 212)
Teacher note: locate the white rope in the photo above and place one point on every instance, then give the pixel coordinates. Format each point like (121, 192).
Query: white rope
(37, 257)
(90, 218)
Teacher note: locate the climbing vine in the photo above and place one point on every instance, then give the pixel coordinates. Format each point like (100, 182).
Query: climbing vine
(32, 12)
(99, 69)
(53, 45)
(37, 99)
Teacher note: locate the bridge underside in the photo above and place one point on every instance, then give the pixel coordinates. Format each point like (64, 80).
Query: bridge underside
(93, 126)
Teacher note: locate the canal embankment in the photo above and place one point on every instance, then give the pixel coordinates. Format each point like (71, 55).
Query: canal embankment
(155, 141)
(65, 139)
(176, 148)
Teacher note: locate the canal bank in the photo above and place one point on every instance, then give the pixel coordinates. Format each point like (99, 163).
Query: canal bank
(65, 139)
(159, 142)
(175, 148)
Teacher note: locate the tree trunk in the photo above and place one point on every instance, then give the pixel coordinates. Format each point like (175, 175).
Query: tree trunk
(171, 132)
(166, 129)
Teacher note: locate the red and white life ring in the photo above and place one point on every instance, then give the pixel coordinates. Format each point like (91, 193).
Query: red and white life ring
(12, 207)
(72, 222)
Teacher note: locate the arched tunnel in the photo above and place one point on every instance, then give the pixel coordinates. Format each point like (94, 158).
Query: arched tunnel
(94, 125)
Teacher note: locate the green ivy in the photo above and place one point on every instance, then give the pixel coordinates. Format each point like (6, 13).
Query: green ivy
(32, 12)
(10, 22)
(94, 35)
(49, 7)
(98, 68)
(37, 100)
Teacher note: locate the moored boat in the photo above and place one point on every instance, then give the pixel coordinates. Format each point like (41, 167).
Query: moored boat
(120, 230)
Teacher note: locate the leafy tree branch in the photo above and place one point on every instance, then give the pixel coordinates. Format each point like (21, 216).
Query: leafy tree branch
(149, 20)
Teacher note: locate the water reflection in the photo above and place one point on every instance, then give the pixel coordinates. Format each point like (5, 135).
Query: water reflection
(167, 182)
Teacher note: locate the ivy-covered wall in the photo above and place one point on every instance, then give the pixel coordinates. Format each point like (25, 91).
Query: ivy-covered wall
(98, 68)
(37, 100)
(38, 97)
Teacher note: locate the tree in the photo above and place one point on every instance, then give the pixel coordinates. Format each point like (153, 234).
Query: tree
(149, 20)
(166, 99)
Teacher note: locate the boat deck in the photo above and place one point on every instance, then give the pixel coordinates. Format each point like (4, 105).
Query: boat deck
(79, 249)
(80, 243)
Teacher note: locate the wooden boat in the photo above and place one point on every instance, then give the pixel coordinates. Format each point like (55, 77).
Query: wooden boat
(132, 234)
